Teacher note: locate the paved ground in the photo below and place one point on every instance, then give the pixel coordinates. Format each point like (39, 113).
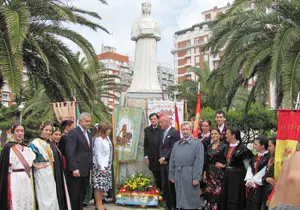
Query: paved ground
(115, 207)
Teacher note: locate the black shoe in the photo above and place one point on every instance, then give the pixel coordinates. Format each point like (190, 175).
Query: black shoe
(84, 204)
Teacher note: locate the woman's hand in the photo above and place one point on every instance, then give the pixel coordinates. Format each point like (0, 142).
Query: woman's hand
(220, 165)
(204, 177)
(271, 181)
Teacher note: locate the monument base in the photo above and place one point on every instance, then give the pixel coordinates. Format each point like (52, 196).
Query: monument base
(138, 166)
(144, 95)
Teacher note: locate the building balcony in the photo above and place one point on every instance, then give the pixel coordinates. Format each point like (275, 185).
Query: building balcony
(187, 65)
(200, 44)
(187, 55)
(112, 66)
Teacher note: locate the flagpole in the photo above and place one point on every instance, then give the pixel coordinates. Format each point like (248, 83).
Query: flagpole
(297, 106)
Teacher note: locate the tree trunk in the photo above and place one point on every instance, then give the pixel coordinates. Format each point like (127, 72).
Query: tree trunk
(3, 138)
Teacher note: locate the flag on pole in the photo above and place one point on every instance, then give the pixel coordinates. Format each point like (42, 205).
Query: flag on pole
(196, 123)
(177, 125)
(288, 136)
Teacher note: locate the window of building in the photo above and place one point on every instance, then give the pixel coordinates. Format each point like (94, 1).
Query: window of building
(188, 43)
(206, 58)
(197, 50)
(188, 61)
(197, 59)
(188, 52)
(207, 17)
(5, 96)
(216, 64)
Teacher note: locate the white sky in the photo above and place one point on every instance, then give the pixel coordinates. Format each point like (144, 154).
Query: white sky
(118, 16)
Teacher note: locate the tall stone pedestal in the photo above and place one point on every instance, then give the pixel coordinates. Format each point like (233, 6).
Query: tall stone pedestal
(127, 169)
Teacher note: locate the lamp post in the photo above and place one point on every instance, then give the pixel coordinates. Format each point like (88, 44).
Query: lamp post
(20, 108)
(175, 94)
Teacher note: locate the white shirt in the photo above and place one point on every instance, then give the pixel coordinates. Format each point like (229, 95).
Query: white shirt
(167, 130)
(101, 152)
(221, 127)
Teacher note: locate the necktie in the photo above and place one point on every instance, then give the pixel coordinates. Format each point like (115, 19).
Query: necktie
(165, 135)
(86, 138)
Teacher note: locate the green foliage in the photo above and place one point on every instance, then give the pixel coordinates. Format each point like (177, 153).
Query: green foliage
(31, 37)
(188, 89)
(138, 182)
(257, 121)
(258, 45)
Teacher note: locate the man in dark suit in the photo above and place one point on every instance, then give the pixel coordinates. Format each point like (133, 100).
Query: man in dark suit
(151, 148)
(79, 158)
(220, 120)
(169, 137)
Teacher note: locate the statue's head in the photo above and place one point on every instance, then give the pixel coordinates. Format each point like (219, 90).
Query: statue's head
(146, 8)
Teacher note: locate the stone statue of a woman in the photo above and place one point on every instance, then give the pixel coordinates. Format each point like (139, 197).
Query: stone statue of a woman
(145, 32)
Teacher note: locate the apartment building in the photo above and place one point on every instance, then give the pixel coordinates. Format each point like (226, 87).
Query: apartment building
(189, 46)
(7, 97)
(116, 64)
(166, 77)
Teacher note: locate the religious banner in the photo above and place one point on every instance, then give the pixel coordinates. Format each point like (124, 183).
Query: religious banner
(288, 136)
(166, 108)
(65, 110)
(127, 124)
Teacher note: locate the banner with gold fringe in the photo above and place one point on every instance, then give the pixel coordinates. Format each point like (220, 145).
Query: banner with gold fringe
(288, 135)
(127, 125)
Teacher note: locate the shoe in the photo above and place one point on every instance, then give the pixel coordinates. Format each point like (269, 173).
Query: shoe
(84, 204)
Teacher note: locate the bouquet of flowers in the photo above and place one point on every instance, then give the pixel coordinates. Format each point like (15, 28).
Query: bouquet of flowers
(138, 190)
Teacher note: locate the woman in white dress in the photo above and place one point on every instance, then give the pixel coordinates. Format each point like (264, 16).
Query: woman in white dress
(45, 186)
(16, 183)
(102, 159)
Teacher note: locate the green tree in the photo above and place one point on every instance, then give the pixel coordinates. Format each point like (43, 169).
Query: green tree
(257, 121)
(7, 116)
(259, 45)
(31, 32)
(188, 89)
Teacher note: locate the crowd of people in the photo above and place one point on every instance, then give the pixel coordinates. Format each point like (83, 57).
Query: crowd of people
(215, 171)
(61, 168)
(53, 172)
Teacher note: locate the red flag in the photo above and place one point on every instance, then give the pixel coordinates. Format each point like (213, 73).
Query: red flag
(288, 135)
(177, 126)
(196, 123)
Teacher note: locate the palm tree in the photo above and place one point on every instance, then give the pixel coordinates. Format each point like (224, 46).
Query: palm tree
(99, 82)
(188, 89)
(30, 38)
(258, 45)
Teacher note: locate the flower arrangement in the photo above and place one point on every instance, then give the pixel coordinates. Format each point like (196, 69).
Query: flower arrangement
(138, 182)
(138, 190)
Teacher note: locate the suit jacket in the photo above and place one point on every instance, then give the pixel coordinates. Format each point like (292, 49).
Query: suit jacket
(223, 135)
(79, 154)
(167, 144)
(151, 146)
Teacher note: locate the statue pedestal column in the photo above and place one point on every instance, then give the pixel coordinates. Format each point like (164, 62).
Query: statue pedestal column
(127, 169)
